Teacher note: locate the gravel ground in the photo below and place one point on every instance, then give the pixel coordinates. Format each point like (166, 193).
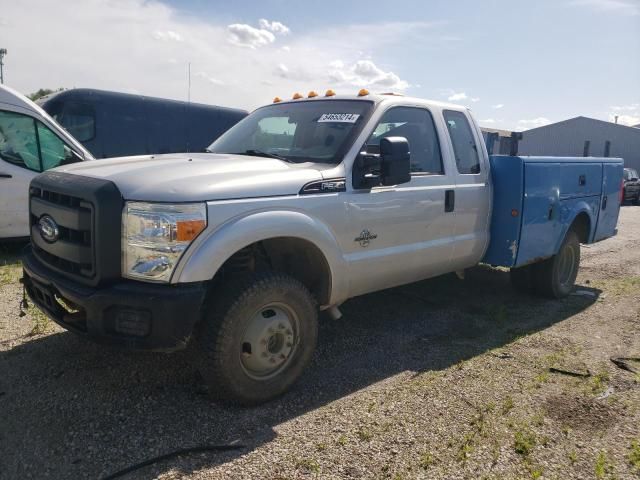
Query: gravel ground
(440, 379)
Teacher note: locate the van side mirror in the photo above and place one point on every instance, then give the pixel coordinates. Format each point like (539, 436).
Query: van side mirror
(395, 164)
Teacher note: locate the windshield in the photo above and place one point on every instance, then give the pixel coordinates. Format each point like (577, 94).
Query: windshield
(315, 131)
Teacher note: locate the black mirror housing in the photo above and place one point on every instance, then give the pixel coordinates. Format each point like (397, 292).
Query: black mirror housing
(395, 163)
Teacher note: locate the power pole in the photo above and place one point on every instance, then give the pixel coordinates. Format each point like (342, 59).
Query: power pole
(3, 52)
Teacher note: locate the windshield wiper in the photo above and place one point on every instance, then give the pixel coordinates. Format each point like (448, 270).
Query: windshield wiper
(260, 153)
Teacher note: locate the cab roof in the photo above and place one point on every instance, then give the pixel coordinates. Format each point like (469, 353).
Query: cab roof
(377, 98)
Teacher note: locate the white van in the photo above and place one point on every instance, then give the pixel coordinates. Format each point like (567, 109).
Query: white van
(30, 142)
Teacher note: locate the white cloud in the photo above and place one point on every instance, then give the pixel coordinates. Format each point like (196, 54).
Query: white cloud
(244, 35)
(622, 7)
(456, 97)
(629, 120)
(626, 108)
(169, 35)
(475, 99)
(275, 27)
(497, 106)
(133, 41)
(364, 73)
(532, 123)
(209, 78)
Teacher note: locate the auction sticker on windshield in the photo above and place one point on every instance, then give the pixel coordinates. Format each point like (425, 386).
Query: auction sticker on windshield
(339, 117)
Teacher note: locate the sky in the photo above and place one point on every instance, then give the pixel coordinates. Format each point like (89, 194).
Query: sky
(517, 64)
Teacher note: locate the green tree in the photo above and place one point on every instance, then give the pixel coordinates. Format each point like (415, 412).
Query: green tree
(42, 92)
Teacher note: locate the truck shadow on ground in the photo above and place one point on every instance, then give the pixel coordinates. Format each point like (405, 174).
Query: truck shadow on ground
(82, 410)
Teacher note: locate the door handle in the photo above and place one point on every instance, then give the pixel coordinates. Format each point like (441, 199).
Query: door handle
(449, 200)
(582, 180)
(6, 175)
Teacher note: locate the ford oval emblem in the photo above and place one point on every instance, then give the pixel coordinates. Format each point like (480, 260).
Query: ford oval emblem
(48, 228)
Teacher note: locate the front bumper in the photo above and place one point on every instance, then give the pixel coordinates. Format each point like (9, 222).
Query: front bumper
(132, 314)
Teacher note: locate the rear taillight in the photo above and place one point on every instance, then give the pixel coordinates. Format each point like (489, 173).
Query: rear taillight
(621, 195)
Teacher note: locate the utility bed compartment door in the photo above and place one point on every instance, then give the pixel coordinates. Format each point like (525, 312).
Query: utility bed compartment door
(610, 202)
(575, 179)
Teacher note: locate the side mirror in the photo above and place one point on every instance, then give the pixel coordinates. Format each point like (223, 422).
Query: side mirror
(395, 164)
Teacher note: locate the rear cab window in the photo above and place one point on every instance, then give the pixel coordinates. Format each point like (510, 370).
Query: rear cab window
(417, 126)
(464, 144)
(79, 119)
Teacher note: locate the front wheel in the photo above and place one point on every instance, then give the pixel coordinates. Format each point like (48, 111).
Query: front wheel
(556, 276)
(257, 337)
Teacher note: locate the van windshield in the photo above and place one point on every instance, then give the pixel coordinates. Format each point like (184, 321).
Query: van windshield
(308, 131)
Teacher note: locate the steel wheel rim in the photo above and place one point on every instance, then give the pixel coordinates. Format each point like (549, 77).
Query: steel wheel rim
(566, 265)
(269, 341)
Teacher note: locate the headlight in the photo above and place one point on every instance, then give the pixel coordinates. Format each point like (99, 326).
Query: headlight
(155, 235)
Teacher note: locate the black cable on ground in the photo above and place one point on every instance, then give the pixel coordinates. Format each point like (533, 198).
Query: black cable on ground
(623, 363)
(175, 453)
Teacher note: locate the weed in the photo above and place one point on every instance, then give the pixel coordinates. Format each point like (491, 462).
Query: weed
(524, 441)
(321, 447)
(342, 440)
(634, 454)
(620, 286)
(507, 405)
(573, 457)
(308, 464)
(364, 434)
(602, 466)
(566, 430)
(538, 419)
(465, 448)
(371, 407)
(426, 460)
(42, 322)
(599, 382)
(541, 378)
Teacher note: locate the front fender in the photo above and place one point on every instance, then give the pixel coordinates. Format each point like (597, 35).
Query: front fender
(210, 251)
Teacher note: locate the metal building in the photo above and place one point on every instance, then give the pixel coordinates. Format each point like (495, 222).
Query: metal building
(582, 136)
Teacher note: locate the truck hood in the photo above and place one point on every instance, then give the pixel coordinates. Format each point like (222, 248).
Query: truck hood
(199, 177)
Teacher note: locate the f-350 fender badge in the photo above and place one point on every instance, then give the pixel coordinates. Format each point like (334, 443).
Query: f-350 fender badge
(365, 238)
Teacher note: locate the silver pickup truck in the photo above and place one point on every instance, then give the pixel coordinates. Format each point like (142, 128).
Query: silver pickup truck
(299, 207)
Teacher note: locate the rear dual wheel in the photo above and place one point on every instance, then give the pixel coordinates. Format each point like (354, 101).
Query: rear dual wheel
(553, 277)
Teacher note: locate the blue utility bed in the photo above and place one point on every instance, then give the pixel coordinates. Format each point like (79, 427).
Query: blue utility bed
(537, 199)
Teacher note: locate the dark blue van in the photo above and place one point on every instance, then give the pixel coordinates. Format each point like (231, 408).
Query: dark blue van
(113, 124)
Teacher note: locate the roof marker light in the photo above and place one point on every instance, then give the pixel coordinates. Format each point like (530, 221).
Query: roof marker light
(330, 93)
(297, 96)
(363, 92)
(312, 94)
(277, 99)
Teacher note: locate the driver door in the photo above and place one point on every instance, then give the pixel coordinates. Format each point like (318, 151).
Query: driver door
(402, 233)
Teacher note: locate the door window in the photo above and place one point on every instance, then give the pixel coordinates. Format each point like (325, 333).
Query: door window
(53, 151)
(464, 144)
(28, 143)
(18, 140)
(416, 125)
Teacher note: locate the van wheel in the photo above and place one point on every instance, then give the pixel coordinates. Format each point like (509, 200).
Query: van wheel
(556, 276)
(636, 199)
(522, 278)
(257, 337)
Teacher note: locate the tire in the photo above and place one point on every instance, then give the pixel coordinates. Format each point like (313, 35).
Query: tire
(556, 276)
(522, 279)
(257, 337)
(636, 199)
